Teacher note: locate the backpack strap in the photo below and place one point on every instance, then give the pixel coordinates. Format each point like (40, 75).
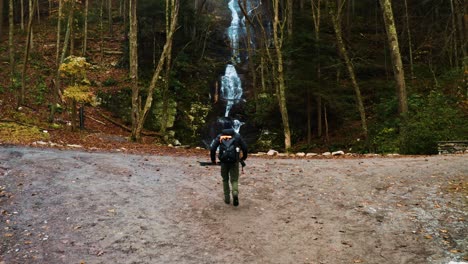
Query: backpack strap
(224, 137)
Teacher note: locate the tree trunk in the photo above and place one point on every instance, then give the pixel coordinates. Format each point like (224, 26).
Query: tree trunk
(167, 48)
(85, 33)
(26, 54)
(66, 41)
(73, 115)
(250, 52)
(165, 87)
(22, 14)
(10, 43)
(410, 43)
(1, 18)
(316, 7)
(325, 117)
(71, 27)
(59, 29)
(280, 82)
(101, 31)
(336, 21)
(65, 48)
(133, 52)
(289, 19)
(109, 14)
(398, 71)
(319, 116)
(31, 15)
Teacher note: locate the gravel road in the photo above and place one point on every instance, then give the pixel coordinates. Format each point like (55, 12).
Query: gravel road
(65, 206)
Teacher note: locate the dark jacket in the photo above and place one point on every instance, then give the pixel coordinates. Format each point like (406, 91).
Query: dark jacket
(238, 141)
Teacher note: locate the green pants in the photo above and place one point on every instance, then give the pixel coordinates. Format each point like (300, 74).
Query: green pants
(230, 171)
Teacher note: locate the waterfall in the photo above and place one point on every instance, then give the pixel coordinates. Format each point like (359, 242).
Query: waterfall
(231, 86)
(233, 31)
(231, 89)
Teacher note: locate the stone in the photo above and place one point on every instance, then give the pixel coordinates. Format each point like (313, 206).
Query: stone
(326, 153)
(300, 154)
(272, 152)
(338, 153)
(311, 154)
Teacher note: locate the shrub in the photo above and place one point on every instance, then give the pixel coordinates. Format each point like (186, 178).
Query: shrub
(435, 118)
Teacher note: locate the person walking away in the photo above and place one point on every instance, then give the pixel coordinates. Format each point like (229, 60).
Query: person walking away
(230, 143)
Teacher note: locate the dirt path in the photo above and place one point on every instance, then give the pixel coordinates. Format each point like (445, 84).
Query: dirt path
(79, 207)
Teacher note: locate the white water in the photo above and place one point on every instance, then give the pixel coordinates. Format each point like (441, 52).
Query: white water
(231, 88)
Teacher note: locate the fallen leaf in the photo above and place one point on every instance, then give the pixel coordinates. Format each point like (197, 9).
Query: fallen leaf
(428, 237)
(8, 235)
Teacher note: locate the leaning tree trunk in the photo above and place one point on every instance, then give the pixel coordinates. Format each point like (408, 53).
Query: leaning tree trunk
(65, 47)
(158, 70)
(133, 52)
(165, 87)
(59, 29)
(398, 71)
(280, 82)
(26, 54)
(336, 21)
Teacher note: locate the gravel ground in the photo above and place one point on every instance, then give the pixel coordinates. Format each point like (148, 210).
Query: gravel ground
(63, 206)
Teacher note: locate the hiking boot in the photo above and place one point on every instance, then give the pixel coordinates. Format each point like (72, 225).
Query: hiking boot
(236, 200)
(227, 199)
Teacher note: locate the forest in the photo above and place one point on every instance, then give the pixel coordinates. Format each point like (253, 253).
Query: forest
(361, 76)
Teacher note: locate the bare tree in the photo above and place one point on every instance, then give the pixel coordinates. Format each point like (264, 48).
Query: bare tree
(168, 66)
(143, 112)
(398, 70)
(278, 37)
(26, 53)
(133, 50)
(316, 13)
(335, 13)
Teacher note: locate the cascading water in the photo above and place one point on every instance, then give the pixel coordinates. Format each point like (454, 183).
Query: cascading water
(234, 30)
(231, 85)
(231, 89)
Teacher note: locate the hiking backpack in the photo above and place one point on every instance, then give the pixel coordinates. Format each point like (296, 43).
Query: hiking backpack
(228, 150)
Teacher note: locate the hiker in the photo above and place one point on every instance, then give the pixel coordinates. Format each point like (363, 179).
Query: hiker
(230, 143)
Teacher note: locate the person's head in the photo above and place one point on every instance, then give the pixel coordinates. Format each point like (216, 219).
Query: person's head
(227, 124)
